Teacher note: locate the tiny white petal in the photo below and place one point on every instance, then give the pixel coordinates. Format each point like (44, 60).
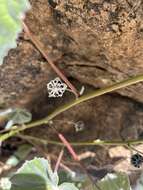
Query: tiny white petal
(82, 90)
(56, 88)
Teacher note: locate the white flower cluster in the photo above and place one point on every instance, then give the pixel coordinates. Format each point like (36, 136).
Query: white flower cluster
(56, 88)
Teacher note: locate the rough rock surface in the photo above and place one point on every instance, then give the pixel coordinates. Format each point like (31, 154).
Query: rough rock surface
(96, 43)
(106, 41)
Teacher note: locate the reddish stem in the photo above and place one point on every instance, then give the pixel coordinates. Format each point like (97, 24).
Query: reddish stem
(76, 158)
(59, 160)
(69, 147)
(38, 45)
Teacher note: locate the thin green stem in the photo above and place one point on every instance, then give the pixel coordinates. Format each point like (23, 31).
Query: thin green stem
(73, 103)
(92, 143)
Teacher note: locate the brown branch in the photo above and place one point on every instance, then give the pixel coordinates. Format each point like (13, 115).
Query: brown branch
(38, 45)
(59, 160)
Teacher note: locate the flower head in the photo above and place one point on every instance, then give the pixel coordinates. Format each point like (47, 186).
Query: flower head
(56, 88)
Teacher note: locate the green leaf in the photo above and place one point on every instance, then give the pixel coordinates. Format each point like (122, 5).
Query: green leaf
(11, 11)
(87, 184)
(18, 116)
(28, 182)
(139, 185)
(19, 155)
(36, 168)
(38, 175)
(12, 161)
(115, 182)
(67, 186)
(34, 175)
(23, 151)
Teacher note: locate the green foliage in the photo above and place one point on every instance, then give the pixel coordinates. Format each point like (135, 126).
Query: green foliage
(38, 175)
(20, 116)
(112, 181)
(19, 155)
(11, 11)
(115, 182)
(16, 116)
(139, 185)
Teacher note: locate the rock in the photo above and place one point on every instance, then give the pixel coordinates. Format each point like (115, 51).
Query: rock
(95, 42)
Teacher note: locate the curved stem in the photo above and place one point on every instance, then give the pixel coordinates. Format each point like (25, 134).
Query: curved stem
(73, 103)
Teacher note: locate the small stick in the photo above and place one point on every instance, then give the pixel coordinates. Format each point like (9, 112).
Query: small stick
(59, 160)
(132, 148)
(69, 147)
(38, 45)
(76, 158)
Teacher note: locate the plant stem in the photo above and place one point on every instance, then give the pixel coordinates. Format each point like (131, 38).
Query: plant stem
(73, 103)
(92, 143)
(134, 149)
(59, 160)
(38, 45)
(76, 158)
(69, 147)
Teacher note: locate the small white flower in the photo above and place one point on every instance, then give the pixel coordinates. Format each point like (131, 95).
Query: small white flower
(56, 88)
(5, 183)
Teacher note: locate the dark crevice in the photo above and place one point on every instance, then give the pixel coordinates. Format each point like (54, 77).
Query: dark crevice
(90, 66)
